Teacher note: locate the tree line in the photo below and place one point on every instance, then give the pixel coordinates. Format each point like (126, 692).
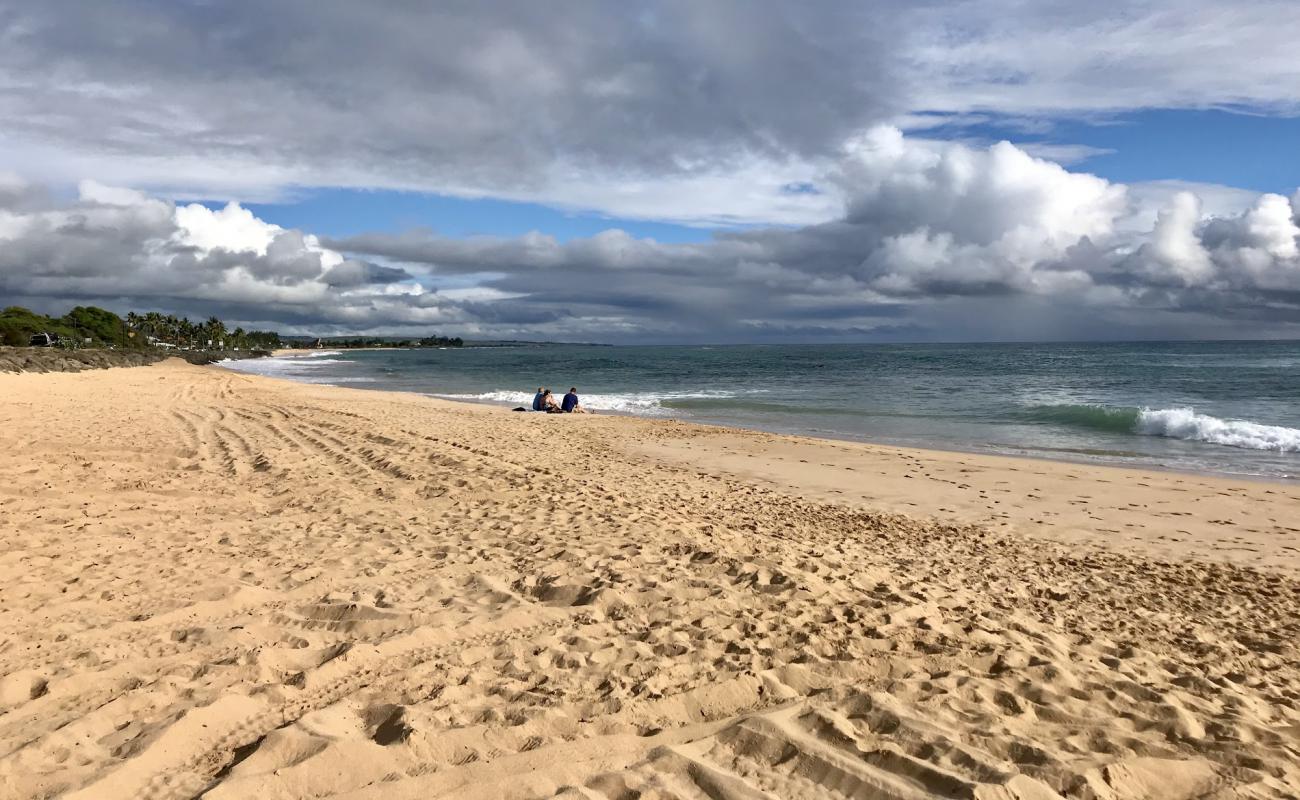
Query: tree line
(89, 326)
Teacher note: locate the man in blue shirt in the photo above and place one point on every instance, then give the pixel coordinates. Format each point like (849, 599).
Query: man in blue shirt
(570, 404)
(537, 399)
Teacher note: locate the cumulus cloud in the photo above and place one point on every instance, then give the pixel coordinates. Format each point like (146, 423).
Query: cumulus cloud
(121, 246)
(1175, 250)
(931, 234)
(948, 216)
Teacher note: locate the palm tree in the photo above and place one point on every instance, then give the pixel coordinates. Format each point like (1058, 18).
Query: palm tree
(216, 330)
(151, 325)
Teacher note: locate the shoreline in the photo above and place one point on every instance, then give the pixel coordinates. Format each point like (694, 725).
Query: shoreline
(1028, 453)
(955, 467)
(233, 586)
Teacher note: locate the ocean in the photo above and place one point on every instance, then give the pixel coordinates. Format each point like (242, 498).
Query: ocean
(1228, 408)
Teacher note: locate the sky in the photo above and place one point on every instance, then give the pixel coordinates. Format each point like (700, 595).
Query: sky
(731, 171)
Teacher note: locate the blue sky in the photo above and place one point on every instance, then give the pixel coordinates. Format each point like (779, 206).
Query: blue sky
(1246, 150)
(346, 212)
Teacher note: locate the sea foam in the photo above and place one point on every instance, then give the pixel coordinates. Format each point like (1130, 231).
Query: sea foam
(1185, 423)
(311, 368)
(649, 404)
(1170, 423)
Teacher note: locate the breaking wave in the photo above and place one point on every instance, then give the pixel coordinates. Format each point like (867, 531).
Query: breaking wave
(315, 354)
(1171, 423)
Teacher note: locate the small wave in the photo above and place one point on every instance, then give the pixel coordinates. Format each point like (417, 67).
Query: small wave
(298, 368)
(729, 403)
(305, 364)
(1103, 418)
(1171, 423)
(522, 398)
(645, 404)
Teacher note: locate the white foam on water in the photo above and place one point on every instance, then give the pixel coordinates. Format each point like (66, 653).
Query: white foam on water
(312, 368)
(646, 404)
(1185, 423)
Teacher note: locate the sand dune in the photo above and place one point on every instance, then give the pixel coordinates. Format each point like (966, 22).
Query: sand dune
(235, 587)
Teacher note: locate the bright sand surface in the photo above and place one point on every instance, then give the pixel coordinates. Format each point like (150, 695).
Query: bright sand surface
(239, 587)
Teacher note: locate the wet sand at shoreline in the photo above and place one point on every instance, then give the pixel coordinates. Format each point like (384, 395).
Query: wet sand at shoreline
(1152, 513)
(234, 586)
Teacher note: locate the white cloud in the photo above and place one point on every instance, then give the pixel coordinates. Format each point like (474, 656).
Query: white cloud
(1270, 226)
(1148, 197)
(231, 228)
(952, 215)
(113, 242)
(1259, 248)
(1175, 249)
(95, 192)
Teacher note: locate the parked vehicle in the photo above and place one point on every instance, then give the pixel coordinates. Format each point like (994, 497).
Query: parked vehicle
(44, 340)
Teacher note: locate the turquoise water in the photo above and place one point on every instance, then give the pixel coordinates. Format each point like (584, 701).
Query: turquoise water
(1222, 407)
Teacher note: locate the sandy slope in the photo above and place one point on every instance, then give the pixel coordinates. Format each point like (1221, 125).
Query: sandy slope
(228, 585)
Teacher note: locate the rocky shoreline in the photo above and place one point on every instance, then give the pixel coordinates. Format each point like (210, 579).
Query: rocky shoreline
(46, 359)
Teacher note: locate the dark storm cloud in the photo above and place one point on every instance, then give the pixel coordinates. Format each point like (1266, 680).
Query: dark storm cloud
(720, 112)
(353, 273)
(462, 95)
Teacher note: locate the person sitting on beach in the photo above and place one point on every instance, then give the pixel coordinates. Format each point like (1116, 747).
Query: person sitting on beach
(548, 403)
(538, 398)
(570, 404)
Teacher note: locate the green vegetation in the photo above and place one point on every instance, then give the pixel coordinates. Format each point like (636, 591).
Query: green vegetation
(210, 334)
(18, 325)
(441, 341)
(88, 326)
(98, 325)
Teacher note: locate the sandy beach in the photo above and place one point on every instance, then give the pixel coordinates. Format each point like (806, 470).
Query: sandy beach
(232, 586)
